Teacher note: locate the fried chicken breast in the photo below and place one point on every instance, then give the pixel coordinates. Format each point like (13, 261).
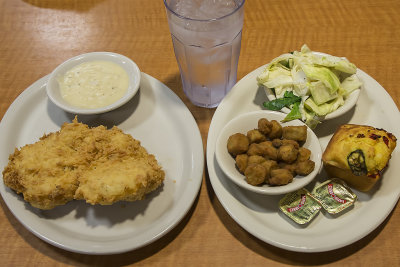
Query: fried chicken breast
(95, 164)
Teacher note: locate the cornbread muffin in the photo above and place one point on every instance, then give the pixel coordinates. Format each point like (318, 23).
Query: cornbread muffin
(357, 154)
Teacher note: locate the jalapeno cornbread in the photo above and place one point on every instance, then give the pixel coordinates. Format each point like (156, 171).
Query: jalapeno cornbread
(358, 154)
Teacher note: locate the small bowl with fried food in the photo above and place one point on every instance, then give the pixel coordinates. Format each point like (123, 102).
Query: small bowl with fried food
(261, 153)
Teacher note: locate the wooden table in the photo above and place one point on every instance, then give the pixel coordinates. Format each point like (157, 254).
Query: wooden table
(37, 35)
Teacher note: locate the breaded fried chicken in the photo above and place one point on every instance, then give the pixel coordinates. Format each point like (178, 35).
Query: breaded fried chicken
(95, 164)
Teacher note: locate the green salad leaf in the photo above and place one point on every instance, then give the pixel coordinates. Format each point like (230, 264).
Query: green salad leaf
(294, 113)
(286, 101)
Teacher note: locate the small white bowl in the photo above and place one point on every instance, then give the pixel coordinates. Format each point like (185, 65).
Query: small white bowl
(53, 89)
(248, 121)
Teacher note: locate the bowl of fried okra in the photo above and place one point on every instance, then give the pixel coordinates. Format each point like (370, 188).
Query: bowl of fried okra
(260, 152)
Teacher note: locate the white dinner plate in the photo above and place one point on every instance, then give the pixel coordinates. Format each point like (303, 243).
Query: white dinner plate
(260, 215)
(165, 127)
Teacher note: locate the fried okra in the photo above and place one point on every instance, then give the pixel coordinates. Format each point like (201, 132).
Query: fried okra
(265, 149)
(287, 153)
(305, 167)
(269, 151)
(255, 174)
(280, 177)
(276, 130)
(304, 154)
(297, 133)
(255, 136)
(241, 162)
(237, 144)
(269, 165)
(291, 167)
(255, 149)
(255, 160)
(264, 126)
(279, 142)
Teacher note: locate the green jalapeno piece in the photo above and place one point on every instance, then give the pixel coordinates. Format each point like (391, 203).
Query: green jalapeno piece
(356, 161)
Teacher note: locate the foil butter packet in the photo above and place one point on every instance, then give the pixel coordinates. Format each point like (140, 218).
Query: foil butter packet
(334, 196)
(300, 206)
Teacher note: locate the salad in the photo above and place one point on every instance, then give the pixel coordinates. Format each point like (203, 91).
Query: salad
(311, 85)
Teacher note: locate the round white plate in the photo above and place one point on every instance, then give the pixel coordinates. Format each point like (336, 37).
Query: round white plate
(259, 214)
(165, 127)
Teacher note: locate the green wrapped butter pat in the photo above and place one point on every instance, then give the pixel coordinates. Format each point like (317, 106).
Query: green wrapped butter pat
(334, 195)
(299, 206)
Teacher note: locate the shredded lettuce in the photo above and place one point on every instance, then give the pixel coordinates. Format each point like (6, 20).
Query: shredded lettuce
(278, 76)
(311, 84)
(325, 108)
(320, 93)
(324, 75)
(350, 84)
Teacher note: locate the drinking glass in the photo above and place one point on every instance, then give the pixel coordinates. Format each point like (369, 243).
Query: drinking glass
(206, 36)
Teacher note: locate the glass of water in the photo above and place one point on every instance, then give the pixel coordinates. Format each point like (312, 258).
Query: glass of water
(206, 36)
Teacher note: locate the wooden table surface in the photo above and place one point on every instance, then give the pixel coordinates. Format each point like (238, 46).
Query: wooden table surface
(37, 35)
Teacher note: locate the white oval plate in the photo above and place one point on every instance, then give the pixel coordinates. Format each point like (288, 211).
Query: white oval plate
(165, 127)
(259, 214)
(248, 121)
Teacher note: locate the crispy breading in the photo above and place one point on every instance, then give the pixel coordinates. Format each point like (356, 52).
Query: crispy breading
(95, 164)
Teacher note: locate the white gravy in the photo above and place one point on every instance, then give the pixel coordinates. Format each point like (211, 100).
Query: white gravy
(94, 84)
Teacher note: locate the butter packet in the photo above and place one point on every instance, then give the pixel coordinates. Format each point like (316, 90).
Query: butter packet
(334, 195)
(300, 206)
